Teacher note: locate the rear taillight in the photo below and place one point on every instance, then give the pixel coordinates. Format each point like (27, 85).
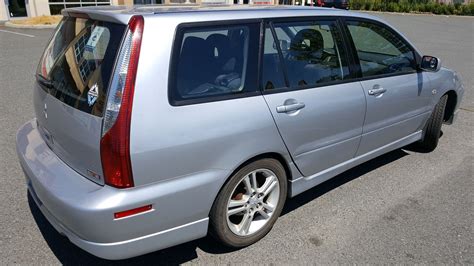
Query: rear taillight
(115, 142)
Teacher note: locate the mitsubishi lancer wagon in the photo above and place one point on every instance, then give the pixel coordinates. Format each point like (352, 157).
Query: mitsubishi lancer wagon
(157, 125)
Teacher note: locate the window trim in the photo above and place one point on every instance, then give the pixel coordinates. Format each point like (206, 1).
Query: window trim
(355, 72)
(175, 53)
(347, 53)
(280, 55)
(354, 66)
(354, 55)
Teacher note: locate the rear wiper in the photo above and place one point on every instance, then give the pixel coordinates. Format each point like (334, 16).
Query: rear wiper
(44, 82)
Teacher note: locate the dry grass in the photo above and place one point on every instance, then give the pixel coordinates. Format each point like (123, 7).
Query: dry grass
(41, 20)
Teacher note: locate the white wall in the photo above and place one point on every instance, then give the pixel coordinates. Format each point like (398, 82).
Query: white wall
(34, 8)
(38, 8)
(3, 11)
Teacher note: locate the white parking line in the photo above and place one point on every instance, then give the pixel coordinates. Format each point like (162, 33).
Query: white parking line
(22, 34)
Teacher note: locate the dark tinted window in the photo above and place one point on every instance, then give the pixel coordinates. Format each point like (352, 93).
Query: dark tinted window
(79, 62)
(312, 52)
(380, 51)
(272, 75)
(214, 61)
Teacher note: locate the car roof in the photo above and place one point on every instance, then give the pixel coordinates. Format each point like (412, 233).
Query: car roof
(174, 8)
(122, 14)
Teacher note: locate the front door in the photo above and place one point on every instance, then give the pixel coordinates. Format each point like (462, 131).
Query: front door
(397, 95)
(318, 113)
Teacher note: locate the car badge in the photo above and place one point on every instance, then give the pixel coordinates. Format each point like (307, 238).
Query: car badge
(45, 111)
(92, 94)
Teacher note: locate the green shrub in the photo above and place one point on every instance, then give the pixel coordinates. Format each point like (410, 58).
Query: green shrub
(450, 9)
(404, 6)
(428, 6)
(415, 7)
(378, 6)
(464, 10)
(356, 4)
(369, 5)
(441, 9)
(393, 7)
(421, 7)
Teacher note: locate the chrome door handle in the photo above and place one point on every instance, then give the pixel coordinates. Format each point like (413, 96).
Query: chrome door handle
(290, 107)
(377, 91)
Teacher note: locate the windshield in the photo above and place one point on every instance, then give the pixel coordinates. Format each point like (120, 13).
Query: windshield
(78, 62)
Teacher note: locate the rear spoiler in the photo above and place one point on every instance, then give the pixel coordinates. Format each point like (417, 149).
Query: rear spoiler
(114, 14)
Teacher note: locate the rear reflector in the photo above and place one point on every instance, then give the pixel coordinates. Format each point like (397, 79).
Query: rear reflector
(131, 212)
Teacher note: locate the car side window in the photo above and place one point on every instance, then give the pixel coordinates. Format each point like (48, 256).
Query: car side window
(272, 75)
(214, 61)
(380, 51)
(311, 51)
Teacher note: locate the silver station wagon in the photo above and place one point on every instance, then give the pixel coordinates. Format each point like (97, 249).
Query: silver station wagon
(158, 125)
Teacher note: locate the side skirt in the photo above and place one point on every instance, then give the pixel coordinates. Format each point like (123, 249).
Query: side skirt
(302, 184)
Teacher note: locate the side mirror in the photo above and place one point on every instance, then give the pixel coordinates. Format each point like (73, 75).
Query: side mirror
(430, 63)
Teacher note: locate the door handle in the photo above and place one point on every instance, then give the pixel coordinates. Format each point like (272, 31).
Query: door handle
(286, 108)
(377, 91)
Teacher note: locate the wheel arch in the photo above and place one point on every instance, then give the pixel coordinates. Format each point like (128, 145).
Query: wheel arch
(268, 155)
(450, 105)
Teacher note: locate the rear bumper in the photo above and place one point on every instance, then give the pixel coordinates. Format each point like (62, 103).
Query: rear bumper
(84, 211)
(133, 247)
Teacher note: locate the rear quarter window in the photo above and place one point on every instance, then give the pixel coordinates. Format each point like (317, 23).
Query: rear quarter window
(213, 62)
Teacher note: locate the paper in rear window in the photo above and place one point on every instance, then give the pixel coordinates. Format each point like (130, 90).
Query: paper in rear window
(79, 62)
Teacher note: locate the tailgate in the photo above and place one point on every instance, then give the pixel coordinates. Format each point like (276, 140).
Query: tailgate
(72, 83)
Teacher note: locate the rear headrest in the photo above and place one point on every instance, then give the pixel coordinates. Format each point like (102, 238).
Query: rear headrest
(196, 49)
(225, 59)
(219, 41)
(307, 40)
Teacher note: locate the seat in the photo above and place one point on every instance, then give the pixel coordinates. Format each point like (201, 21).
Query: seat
(304, 58)
(193, 69)
(307, 45)
(224, 62)
(222, 52)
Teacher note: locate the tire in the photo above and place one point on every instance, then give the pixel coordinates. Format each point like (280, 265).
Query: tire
(230, 230)
(432, 128)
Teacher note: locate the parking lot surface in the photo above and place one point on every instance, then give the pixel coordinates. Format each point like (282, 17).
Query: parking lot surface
(403, 207)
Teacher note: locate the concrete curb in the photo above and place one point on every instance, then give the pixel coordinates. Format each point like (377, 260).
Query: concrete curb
(20, 26)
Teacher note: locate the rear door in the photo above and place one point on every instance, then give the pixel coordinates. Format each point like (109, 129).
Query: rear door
(397, 95)
(318, 110)
(72, 83)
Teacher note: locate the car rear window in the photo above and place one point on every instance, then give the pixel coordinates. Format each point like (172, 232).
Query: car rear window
(79, 60)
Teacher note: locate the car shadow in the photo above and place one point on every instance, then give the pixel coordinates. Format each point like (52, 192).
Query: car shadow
(341, 179)
(415, 148)
(68, 254)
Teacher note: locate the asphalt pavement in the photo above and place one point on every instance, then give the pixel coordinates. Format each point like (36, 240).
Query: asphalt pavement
(403, 207)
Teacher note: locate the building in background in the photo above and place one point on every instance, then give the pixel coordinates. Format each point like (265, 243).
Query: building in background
(12, 9)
